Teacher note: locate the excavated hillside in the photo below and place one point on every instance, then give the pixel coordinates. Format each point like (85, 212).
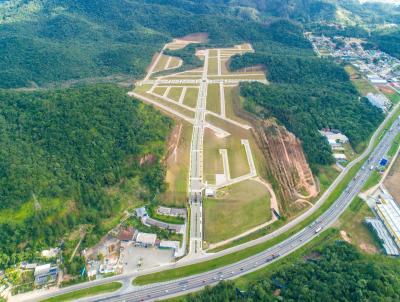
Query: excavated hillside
(287, 164)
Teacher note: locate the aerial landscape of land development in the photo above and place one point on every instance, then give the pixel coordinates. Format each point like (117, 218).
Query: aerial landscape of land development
(199, 150)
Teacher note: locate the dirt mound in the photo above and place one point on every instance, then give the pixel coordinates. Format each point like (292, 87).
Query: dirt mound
(287, 163)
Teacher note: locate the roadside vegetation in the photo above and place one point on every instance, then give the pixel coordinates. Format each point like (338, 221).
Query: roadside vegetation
(314, 94)
(87, 292)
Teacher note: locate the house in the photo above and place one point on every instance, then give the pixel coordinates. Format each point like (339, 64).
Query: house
(141, 212)
(167, 244)
(126, 234)
(340, 157)
(50, 253)
(335, 138)
(45, 273)
(146, 239)
(175, 212)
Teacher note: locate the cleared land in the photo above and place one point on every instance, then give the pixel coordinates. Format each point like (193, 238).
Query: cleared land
(191, 97)
(392, 181)
(212, 159)
(361, 84)
(160, 90)
(213, 98)
(212, 66)
(175, 93)
(178, 170)
(236, 209)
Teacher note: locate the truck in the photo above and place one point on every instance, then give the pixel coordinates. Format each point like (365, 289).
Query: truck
(318, 229)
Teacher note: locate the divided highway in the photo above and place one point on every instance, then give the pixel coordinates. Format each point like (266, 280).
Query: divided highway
(185, 285)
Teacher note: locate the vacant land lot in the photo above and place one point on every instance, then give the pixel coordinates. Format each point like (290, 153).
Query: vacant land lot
(212, 66)
(178, 170)
(175, 93)
(237, 209)
(362, 85)
(213, 98)
(191, 97)
(392, 181)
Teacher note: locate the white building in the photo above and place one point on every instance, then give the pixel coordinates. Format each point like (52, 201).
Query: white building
(375, 79)
(389, 212)
(335, 139)
(379, 100)
(146, 239)
(340, 157)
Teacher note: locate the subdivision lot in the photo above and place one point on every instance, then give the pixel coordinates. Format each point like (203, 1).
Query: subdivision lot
(175, 93)
(213, 66)
(160, 90)
(178, 170)
(212, 159)
(238, 163)
(191, 97)
(213, 98)
(237, 208)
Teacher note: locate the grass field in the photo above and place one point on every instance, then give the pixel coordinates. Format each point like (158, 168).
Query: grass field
(352, 222)
(160, 90)
(361, 84)
(178, 171)
(239, 208)
(91, 291)
(191, 97)
(212, 163)
(213, 98)
(230, 94)
(174, 62)
(212, 66)
(161, 63)
(175, 93)
(170, 105)
(238, 163)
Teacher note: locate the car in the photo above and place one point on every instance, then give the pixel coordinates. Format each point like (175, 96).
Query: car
(166, 291)
(215, 278)
(232, 272)
(241, 268)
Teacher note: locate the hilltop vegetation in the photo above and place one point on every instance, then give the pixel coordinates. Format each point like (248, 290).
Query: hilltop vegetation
(64, 40)
(338, 272)
(306, 95)
(63, 149)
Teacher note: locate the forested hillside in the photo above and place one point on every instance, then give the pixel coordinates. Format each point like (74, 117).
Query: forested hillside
(336, 273)
(61, 150)
(306, 95)
(62, 40)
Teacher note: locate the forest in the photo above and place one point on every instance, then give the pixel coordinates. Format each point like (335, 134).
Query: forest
(72, 40)
(308, 94)
(62, 150)
(337, 272)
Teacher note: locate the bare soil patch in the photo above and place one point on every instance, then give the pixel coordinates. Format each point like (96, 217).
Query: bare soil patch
(386, 89)
(195, 37)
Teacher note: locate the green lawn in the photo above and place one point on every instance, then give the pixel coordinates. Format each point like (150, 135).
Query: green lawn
(361, 84)
(213, 98)
(87, 292)
(373, 180)
(235, 211)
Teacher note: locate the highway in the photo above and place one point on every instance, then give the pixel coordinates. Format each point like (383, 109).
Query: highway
(185, 285)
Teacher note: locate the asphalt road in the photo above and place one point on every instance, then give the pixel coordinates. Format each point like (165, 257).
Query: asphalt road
(185, 285)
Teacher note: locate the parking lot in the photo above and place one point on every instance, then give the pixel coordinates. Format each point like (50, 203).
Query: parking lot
(134, 258)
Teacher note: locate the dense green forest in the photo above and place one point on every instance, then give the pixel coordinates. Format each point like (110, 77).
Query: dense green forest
(64, 40)
(306, 95)
(387, 41)
(62, 149)
(336, 273)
